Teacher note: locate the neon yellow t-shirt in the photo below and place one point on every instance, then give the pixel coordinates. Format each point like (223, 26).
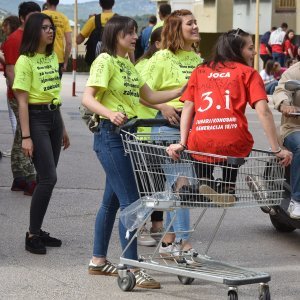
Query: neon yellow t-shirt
(62, 26)
(38, 75)
(144, 112)
(157, 25)
(89, 26)
(119, 83)
(167, 71)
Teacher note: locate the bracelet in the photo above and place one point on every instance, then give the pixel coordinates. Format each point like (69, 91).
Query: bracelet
(183, 146)
(277, 151)
(26, 137)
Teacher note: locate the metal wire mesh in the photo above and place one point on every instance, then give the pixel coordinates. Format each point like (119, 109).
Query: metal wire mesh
(201, 179)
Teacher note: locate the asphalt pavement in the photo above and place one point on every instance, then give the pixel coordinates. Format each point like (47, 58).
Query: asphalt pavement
(246, 237)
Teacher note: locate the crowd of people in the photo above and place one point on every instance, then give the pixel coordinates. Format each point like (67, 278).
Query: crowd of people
(170, 80)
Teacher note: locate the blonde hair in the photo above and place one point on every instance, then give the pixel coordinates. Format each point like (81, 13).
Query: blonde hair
(172, 36)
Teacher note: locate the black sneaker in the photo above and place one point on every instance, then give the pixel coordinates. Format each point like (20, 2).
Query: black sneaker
(48, 240)
(34, 244)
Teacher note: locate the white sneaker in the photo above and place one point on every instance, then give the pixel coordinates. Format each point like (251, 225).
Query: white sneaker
(294, 209)
(145, 239)
(173, 249)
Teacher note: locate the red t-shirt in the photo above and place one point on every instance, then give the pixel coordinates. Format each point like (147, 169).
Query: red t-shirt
(11, 48)
(276, 48)
(220, 98)
(289, 45)
(263, 49)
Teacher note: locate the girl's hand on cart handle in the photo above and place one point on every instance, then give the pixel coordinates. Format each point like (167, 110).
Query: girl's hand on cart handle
(287, 110)
(285, 156)
(118, 118)
(174, 151)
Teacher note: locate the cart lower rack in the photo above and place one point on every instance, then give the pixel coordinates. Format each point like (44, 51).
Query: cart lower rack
(197, 181)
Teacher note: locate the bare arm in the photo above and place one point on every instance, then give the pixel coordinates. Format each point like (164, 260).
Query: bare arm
(27, 145)
(158, 97)
(291, 55)
(95, 106)
(10, 74)
(185, 125)
(68, 47)
(169, 112)
(266, 119)
(79, 39)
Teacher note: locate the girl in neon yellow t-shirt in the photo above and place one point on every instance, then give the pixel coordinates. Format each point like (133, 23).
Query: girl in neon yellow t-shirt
(167, 69)
(113, 91)
(37, 87)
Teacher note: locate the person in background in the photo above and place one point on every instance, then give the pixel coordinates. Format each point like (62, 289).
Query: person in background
(288, 102)
(276, 42)
(113, 91)
(166, 69)
(44, 6)
(37, 86)
(265, 50)
(146, 33)
(163, 12)
(21, 166)
(278, 70)
(89, 26)
(233, 55)
(149, 238)
(290, 49)
(10, 25)
(63, 34)
(267, 75)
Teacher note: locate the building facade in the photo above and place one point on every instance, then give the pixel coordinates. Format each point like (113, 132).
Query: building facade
(216, 16)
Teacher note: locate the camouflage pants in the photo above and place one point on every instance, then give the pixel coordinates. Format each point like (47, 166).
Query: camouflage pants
(21, 166)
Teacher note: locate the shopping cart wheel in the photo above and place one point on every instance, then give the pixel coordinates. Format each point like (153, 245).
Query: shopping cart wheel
(185, 280)
(280, 226)
(264, 292)
(127, 283)
(232, 295)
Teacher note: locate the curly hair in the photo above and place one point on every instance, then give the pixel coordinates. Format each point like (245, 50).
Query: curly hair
(172, 36)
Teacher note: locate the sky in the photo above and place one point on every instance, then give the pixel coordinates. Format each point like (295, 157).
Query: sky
(72, 1)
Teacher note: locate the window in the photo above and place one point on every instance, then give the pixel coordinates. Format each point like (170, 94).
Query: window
(285, 6)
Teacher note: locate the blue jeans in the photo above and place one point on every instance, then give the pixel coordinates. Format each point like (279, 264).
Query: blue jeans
(270, 87)
(120, 189)
(46, 130)
(292, 143)
(279, 57)
(182, 220)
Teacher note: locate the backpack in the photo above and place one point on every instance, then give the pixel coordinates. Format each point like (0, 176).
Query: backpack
(93, 44)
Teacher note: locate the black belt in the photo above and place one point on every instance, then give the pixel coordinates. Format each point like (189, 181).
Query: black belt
(49, 106)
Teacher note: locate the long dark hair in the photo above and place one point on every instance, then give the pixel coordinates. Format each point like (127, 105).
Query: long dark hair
(286, 37)
(32, 35)
(13, 22)
(228, 48)
(113, 27)
(155, 37)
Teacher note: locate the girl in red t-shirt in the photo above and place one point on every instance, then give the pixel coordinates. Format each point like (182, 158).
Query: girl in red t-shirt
(213, 118)
(289, 48)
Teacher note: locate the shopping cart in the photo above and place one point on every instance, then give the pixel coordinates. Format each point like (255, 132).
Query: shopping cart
(207, 181)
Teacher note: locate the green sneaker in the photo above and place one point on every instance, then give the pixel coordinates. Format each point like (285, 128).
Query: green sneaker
(106, 269)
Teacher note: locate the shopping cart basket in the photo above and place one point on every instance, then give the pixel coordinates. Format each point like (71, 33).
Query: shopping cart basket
(207, 181)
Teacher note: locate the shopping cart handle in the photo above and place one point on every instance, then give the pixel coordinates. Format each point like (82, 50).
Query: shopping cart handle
(135, 123)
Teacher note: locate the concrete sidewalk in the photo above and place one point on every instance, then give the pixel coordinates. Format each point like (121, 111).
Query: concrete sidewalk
(62, 273)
